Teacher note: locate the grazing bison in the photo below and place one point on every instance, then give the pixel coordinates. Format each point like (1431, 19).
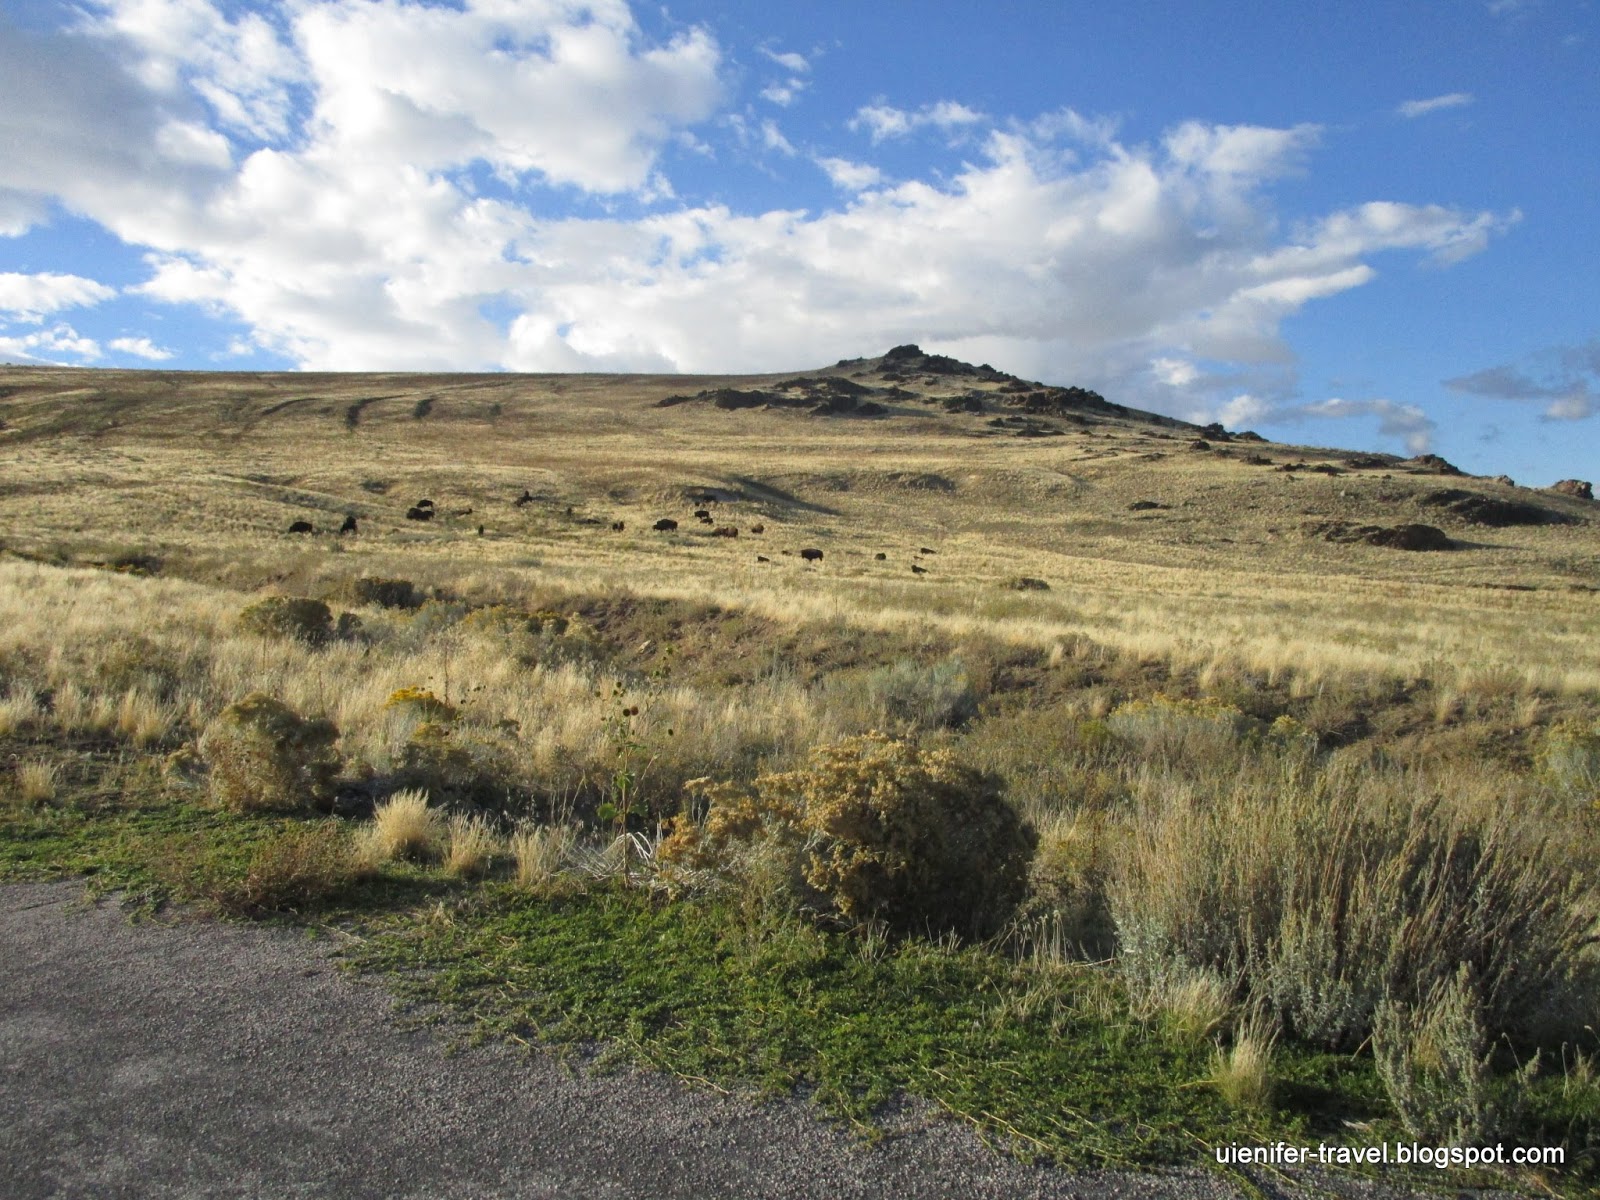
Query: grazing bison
(424, 503)
(811, 555)
(702, 514)
(725, 531)
(349, 525)
(916, 570)
(880, 557)
(665, 525)
(525, 498)
(480, 530)
(617, 526)
(762, 558)
(925, 550)
(758, 529)
(302, 527)
(418, 513)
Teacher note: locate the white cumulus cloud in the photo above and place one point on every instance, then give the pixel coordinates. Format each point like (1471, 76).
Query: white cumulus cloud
(46, 345)
(140, 347)
(852, 176)
(399, 184)
(882, 121)
(32, 297)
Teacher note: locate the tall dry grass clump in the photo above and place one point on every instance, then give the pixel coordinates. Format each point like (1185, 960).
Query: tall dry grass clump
(1243, 1071)
(471, 845)
(403, 827)
(541, 853)
(1330, 894)
(36, 782)
(18, 709)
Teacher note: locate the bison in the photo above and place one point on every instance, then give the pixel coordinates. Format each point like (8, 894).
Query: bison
(811, 555)
(665, 525)
(762, 558)
(302, 527)
(418, 513)
(702, 514)
(916, 570)
(349, 525)
(617, 526)
(525, 498)
(725, 531)
(758, 529)
(925, 550)
(424, 503)
(880, 557)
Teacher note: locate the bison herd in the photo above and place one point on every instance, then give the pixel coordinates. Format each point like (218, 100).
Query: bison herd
(425, 510)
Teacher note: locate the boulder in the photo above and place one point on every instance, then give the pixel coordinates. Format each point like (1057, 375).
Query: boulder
(1580, 489)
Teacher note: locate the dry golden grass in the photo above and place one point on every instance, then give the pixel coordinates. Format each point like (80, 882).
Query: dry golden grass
(471, 845)
(403, 826)
(541, 853)
(205, 473)
(1243, 1071)
(36, 782)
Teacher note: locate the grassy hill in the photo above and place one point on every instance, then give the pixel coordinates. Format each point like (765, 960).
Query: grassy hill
(1240, 550)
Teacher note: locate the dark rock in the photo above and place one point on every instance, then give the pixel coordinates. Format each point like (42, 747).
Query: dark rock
(1410, 537)
(1488, 510)
(1580, 489)
(1026, 583)
(1199, 444)
(1429, 464)
(1396, 537)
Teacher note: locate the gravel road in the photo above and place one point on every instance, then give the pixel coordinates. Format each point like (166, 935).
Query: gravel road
(205, 1059)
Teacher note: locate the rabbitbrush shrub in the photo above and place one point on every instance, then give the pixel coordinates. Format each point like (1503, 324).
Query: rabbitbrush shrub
(308, 621)
(875, 829)
(264, 756)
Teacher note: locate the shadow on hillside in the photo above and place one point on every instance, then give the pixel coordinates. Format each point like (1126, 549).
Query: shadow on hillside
(756, 490)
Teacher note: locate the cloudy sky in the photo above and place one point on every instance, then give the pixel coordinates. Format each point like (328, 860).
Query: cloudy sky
(1367, 224)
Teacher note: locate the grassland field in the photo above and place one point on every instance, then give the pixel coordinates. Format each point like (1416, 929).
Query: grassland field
(1310, 822)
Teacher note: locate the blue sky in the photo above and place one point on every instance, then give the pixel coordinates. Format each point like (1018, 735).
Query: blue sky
(1362, 225)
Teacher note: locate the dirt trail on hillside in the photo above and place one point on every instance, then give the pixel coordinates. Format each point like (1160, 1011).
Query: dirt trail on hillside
(206, 1059)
